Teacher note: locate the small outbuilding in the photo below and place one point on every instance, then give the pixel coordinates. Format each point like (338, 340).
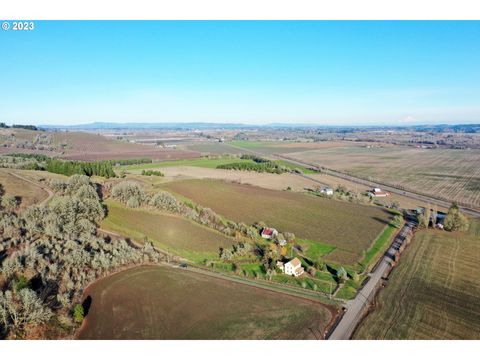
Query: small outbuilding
(281, 265)
(326, 191)
(377, 192)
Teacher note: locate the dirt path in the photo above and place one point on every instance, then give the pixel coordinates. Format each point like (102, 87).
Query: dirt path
(44, 188)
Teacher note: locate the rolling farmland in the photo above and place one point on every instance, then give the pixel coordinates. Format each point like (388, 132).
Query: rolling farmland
(348, 227)
(434, 293)
(452, 175)
(82, 146)
(165, 303)
(172, 233)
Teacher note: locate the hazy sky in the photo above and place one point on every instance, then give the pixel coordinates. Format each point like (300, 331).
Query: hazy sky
(249, 72)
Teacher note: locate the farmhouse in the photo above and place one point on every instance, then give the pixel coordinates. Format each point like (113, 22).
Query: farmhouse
(377, 192)
(293, 267)
(268, 233)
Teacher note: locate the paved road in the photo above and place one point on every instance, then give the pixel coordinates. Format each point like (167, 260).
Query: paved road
(355, 308)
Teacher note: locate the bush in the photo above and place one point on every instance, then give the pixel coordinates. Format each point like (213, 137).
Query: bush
(78, 313)
(164, 201)
(126, 190)
(152, 173)
(20, 283)
(397, 221)
(455, 220)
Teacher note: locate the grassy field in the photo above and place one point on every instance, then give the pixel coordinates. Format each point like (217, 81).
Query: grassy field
(380, 245)
(208, 163)
(350, 228)
(445, 173)
(211, 147)
(174, 234)
(165, 303)
(28, 193)
(434, 293)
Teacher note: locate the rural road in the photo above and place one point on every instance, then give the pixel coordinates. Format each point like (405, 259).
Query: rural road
(355, 308)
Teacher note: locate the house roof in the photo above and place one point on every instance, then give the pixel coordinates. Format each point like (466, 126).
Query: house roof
(268, 231)
(378, 191)
(299, 271)
(295, 262)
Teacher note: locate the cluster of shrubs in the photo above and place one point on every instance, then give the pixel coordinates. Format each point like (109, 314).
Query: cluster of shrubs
(20, 162)
(51, 253)
(239, 250)
(341, 193)
(254, 158)
(132, 194)
(152, 173)
(454, 220)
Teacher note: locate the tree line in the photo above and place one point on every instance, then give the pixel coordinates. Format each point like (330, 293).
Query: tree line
(131, 161)
(152, 173)
(18, 126)
(64, 167)
(68, 168)
(268, 167)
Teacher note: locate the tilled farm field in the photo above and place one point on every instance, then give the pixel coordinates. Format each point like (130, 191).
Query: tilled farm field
(452, 175)
(434, 293)
(348, 227)
(158, 302)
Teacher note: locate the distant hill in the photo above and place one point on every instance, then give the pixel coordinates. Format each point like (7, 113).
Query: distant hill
(148, 126)
(465, 128)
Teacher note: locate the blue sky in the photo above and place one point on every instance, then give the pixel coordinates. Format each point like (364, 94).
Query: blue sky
(320, 72)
